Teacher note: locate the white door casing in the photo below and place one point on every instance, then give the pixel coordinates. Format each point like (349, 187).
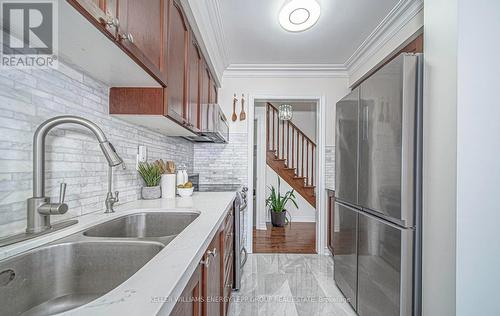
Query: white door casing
(320, 160)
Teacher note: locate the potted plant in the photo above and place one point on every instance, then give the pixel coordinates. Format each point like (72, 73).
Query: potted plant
(277, 205)
(151, 175)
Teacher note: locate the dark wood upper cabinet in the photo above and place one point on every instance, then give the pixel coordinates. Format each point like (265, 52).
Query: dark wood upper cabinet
(143, 32)
(156, 37)
(204, 84)
(194, 75)
(102, 13)
(212, 94)
(178, 41)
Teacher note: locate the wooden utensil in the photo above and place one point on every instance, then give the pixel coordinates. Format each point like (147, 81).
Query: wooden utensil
(170, 167)
(161, 165)
(234, 117)
(243, 115)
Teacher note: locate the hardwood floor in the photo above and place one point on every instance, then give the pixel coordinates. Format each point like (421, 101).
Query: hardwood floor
(294, 238)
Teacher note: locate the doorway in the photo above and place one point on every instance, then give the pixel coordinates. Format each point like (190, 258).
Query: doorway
(299, 234)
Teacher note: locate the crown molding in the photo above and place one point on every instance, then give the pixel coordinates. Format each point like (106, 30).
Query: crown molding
(286, 71)
(287, 67)
(398, 18)
(208, 24)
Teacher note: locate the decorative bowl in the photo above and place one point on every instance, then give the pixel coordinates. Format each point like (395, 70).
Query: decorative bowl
(184, 192)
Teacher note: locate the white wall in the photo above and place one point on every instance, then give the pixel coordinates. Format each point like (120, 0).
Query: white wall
(304, 213)
(439, 173)
(304, 116)
(478, 165)
(332, 88)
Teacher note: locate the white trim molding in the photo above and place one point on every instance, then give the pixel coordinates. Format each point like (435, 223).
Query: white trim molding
(398, 17)
(285, 71)
(320, 189)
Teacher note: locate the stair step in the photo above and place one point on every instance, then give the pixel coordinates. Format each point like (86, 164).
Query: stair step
(309, 186)
(289, 175)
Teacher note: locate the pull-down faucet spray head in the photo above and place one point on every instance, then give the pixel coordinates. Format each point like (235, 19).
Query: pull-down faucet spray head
(110, 153)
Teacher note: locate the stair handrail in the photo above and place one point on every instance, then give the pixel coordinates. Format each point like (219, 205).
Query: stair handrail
(295, 126)
(292, 161)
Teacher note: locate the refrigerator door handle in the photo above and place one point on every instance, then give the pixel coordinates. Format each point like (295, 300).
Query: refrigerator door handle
(366, 113)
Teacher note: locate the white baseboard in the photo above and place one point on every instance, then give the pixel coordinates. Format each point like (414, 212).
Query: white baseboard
(261, 226)
(303, 219)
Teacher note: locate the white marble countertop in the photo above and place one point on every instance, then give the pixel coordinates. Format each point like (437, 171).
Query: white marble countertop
(154, 289)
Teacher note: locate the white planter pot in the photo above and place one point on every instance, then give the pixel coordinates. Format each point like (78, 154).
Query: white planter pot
(151, 193)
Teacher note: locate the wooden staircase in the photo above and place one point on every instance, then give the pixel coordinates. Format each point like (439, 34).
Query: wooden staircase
(291, 154)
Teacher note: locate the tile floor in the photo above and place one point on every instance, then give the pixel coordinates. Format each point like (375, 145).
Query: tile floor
(288, 285)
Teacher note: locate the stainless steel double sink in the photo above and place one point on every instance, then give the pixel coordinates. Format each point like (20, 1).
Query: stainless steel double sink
(82, 267)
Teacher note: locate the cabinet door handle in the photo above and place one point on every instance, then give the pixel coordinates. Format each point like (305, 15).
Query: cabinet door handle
(127, 37)
(110, 21)
(206, 263)
(213, 252)
(210, 254)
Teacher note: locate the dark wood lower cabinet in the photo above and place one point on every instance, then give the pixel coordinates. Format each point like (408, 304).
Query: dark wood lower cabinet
(212, 270)
(209, 290)
(189, 304)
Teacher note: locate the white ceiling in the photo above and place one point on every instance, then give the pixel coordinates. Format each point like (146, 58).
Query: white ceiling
(253, 34)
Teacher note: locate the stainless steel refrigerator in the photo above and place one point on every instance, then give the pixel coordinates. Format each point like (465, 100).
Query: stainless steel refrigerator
(377, 229)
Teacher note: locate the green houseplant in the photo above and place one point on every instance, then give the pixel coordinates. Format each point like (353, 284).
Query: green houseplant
(277, 204)
(151, 174)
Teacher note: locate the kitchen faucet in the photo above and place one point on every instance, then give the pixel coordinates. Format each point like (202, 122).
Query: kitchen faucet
(39, 206)
(110, 198)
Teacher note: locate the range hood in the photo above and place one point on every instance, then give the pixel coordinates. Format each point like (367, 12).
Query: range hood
(214, 125)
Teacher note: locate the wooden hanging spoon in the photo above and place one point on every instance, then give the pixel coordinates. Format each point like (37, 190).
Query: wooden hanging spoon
(234, 117)
(243, 115)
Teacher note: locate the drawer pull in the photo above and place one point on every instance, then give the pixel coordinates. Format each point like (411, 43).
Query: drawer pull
(213, 252)
(210, 254)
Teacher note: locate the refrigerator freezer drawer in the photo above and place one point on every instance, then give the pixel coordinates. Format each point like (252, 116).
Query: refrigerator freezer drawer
(385, 265)
(345, 252)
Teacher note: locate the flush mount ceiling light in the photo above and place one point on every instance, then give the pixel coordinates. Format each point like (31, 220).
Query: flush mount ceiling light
(299, 15)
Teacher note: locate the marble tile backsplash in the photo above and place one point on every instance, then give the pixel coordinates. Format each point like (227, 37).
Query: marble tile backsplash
(330, 167)
(27, 98)
(222, 166)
